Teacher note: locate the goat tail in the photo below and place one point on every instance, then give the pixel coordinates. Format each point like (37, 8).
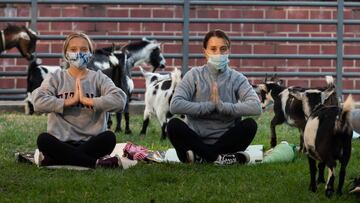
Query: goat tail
(348, 104)
(344, 120)
(329, 80)
(175, 77)
(142, 70)
(144, 73)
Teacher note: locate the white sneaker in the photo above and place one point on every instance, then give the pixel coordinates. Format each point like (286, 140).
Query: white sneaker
(38, 157)
(233, 158)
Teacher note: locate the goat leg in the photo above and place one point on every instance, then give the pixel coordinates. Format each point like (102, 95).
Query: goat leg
(341, 179)
(344, 161)
(127, 123)
(118, 124)
(329, 188)
(273, 124)
(321, 178)
(109, 121)
(312, 166)
(144, 126)
(302, 145)
(163, 133)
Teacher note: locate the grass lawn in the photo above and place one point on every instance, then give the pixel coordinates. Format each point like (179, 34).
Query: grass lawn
(287, 182)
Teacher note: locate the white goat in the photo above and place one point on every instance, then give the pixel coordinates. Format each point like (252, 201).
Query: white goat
(158, 94)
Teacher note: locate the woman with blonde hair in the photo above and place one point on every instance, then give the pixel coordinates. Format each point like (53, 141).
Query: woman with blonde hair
(77, 101)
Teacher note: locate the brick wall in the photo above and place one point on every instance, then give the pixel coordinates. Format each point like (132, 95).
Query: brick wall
(199, 29)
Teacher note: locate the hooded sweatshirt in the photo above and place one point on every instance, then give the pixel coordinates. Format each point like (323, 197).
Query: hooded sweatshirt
(78, 122)
(210, 121)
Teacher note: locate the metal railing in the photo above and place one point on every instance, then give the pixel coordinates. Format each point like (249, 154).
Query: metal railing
(186, 38)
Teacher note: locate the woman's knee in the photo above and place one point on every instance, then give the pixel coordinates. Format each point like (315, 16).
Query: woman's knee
(109, 138)
(251, 125)
(43, 140)
(173, 125)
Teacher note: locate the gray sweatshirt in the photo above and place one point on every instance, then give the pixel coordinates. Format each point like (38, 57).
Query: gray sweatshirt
(78, 122)
(355, 120)
(210, 121)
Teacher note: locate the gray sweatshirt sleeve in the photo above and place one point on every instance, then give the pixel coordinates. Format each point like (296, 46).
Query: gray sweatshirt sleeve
(355, 120)
(112, 98)
(248, 103)
(181, 102)
(44, 97)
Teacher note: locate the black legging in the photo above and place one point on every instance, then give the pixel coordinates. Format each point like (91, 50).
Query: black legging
(84, 154)
(235, 139)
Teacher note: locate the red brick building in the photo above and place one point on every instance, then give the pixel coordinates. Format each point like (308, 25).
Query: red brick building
(199, 29)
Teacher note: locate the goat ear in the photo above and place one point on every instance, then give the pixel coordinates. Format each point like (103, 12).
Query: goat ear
(328, 92)
(145, 39)
(256, 88)
(280, 82)
(274, 78)
(113, 47)
(38, 61)
(265, 78)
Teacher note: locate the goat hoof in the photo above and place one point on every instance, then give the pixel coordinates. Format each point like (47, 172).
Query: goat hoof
(117, 130)
(339, 192)
(328, 193)
(128, 132)
(312, 188)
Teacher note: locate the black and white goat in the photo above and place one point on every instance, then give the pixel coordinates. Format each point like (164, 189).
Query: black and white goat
(158, 94)
(117, 64)
(36, 74)
(327, 138)
(289, 109)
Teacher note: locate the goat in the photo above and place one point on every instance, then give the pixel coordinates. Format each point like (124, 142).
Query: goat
(21, 37)
(289, 109)
(327, 138)
(117, 64)
(158, 94)
(35, 75)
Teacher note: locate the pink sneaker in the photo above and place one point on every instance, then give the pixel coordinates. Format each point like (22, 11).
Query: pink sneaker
(135, 152)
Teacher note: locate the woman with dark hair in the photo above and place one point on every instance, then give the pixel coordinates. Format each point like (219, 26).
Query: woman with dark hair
(77, 100)
(214, 98)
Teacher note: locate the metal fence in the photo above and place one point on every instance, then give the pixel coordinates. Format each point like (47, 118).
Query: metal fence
(186, 38)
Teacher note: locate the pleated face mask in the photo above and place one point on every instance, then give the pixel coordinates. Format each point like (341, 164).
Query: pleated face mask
(218, 62)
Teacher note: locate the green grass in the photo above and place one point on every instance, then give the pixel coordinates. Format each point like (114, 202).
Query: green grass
(286, 182)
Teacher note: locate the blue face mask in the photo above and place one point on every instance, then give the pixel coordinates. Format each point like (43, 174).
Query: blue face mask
(218, 62)
(78, 59)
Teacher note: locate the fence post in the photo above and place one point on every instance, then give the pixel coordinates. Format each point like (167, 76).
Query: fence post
(34, 10)
(339, 48)
(185, 45)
